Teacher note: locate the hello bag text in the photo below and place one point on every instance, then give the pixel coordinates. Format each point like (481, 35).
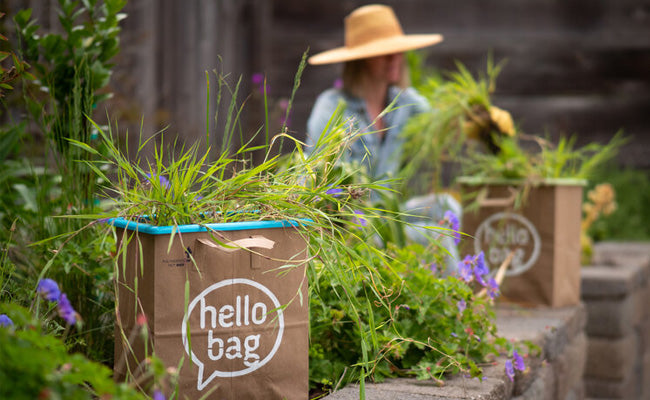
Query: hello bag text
(226, 317)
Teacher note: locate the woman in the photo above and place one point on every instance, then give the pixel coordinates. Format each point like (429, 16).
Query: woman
(374, 78)
(377, 101)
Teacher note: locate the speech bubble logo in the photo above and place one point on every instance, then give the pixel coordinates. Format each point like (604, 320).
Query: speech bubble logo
(229, 316)
(503, 232)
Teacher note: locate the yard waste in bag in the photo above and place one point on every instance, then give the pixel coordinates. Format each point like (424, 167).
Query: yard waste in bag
(229, 300)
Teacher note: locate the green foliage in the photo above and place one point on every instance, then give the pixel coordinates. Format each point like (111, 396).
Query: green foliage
(69, 73)
(189, 188)
(462, 109)
(180, 185)
(437, 137)
(72, 68)
(563, 160)
(632, 188)
(90, 36)
(10, 72)
(36, 364)
(412, 319)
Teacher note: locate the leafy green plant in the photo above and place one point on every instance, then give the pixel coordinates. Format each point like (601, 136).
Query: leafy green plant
(632, 188)
(10, 72)
(72, 68)
(422, 321)
(461, 108)
(69, 72)
(550, 161)
(36, 363)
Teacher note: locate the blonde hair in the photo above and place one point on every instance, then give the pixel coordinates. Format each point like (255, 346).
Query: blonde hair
(355, 70)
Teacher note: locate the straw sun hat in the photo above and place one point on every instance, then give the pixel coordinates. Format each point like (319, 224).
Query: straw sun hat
(371, 31)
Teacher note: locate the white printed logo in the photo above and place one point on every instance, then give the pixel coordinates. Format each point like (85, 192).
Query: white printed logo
(504, 232)
(226, 350)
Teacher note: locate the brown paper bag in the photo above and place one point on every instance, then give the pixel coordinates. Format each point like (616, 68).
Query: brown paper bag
(242, 329)
(544, 235)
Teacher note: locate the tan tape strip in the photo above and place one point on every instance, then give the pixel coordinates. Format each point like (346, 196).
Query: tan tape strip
(246, 243)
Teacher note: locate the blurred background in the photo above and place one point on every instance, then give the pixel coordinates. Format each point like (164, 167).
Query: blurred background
(572, 66)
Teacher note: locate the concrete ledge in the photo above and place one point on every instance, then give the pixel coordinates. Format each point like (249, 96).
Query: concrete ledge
(617, 253)
(556, 374)
(496, 386)
(549, 328)
(611, 281)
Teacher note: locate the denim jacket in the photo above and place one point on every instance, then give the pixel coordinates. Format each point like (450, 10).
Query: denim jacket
(381, 156)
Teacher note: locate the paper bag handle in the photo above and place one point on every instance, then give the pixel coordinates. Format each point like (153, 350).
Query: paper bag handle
(508, 201)
(245, 243)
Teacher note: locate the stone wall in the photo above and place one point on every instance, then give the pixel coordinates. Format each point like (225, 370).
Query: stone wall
(616, 293)
(556, 374)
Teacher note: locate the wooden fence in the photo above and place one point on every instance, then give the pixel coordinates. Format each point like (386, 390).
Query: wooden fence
(573, 66)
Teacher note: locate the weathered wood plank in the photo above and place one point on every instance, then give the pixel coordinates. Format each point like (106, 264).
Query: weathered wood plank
(573, 66)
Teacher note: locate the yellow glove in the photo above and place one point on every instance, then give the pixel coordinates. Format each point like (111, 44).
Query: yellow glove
(503, 120)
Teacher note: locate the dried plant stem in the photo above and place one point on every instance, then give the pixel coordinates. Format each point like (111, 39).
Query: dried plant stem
(501, 273)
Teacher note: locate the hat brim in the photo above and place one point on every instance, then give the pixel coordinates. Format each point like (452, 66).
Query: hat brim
(379, 47)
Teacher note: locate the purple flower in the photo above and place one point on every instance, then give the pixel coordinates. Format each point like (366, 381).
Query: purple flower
(480, 269)
(479, 278)
(158, 395)
(359, 220)
(510, 371)
(5, 321)
(334, 192)
(461, 305)
(452, 219)
(434, 268)
(493, 288)
(338, 83)
(48, 289)
(66, 311)
(164, 182)
(519, 361)
(257, 79)
(454, 334)
(465, 268)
